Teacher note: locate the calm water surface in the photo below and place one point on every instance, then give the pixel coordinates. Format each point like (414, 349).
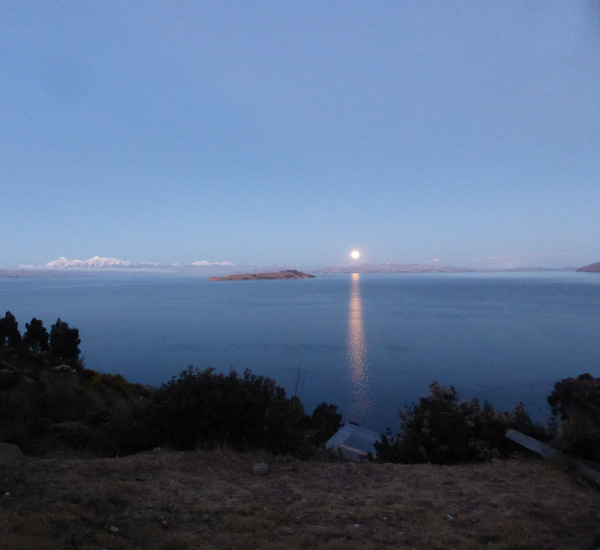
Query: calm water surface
(368, 343)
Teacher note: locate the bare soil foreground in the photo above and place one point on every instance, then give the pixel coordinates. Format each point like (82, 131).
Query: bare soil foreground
(173, 500)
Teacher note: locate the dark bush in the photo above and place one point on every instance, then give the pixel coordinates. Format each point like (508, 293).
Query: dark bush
(36, 337)
(9, 379)
(443, 430)
(9, 331)
(64, 344)
(577, 397)
(575, 404)
(324, 423)
(204, 409)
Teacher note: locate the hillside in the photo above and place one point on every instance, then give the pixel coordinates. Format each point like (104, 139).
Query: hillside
(45, 408)
(170, 500)
(592, 268)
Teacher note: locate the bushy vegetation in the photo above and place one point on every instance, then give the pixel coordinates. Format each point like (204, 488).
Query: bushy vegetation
(48, 399)
(575, 404)
(442, 429)
(61, 346)
(204, 409)
(43, 409)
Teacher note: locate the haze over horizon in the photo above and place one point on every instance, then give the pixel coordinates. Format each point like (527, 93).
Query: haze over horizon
(354, 265)
(444, 132)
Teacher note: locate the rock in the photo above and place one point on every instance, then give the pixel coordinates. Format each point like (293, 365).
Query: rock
(9, 452)
(10, 449)
(260, 468)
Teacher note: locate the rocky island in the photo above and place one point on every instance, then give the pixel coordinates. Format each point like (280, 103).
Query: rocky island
(287, 274)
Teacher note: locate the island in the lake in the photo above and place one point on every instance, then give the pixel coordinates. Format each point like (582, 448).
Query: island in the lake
(287, 274)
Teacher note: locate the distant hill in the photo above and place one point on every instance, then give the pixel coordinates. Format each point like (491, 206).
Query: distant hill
(427, 268)
(592, 268)
(395, 268)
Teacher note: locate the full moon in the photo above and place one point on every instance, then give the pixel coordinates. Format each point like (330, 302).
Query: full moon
(355, 254)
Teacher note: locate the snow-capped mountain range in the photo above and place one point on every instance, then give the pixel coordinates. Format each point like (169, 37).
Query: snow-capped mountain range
(94, 262)
(97, 262)
(205, 263)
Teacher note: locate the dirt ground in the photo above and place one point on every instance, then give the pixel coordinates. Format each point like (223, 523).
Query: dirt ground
(173, 500)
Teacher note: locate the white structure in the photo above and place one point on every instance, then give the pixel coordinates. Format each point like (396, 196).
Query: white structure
(353, 442)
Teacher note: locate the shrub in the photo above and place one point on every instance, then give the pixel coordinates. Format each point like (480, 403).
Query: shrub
(324, 423)
(36, 337)
(443, 430)
(204, 409)
(64, 344)
(9, 379)
(9, 331)
(577, 399)
(575, 404)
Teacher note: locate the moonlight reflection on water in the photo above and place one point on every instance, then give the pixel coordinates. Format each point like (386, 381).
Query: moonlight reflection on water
(361, 401)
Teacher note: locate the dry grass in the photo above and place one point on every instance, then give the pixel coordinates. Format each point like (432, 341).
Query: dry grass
(170, 500)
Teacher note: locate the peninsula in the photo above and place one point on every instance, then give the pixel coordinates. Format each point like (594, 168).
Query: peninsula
(287, 274)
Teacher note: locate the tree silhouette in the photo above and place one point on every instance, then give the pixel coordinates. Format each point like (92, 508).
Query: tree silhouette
(36, 336)
(64, 342)
(9, 331)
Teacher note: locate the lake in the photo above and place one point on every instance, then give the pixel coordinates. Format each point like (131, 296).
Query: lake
(368, 343)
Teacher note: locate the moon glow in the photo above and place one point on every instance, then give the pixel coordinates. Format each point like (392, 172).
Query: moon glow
(355, 254)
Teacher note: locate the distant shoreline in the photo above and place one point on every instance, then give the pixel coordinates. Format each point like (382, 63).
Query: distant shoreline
(204, 271)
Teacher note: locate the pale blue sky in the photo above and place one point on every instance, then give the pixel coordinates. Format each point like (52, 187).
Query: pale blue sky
(280, 132)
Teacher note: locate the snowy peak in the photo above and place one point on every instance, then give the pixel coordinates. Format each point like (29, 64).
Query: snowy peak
(205, 263)
(98, 262)
(94, 262)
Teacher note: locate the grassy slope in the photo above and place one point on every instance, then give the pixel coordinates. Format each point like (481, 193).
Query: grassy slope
(172, 500)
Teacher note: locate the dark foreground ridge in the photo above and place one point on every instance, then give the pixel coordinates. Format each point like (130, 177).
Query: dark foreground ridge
(287, 274)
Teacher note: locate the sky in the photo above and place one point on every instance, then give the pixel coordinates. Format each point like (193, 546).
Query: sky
(460, 133)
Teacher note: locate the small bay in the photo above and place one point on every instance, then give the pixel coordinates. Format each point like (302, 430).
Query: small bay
(367, 343)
